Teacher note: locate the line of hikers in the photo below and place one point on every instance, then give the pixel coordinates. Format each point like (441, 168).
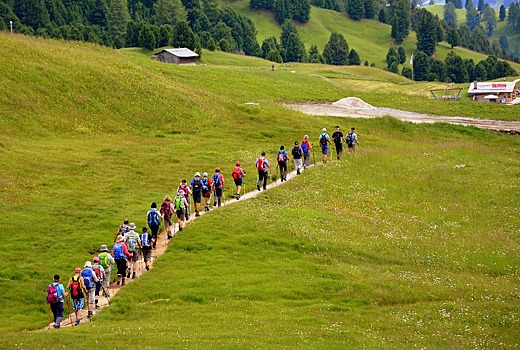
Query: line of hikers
(87, 283)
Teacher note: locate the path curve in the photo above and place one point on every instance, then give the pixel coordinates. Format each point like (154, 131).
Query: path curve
(330, 109)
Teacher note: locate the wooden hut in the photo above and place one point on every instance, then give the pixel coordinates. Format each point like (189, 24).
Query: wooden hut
(494, 92)
(177, 56)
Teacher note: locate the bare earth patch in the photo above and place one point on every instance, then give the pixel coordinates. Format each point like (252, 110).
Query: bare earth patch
(354, 107)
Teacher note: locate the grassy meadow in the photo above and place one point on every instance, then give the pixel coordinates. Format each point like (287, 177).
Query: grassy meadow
(409, 242)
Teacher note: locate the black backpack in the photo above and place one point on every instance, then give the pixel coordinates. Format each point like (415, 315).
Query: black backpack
(349, 139)
(197, 185)
(323, 140)
(296, 151)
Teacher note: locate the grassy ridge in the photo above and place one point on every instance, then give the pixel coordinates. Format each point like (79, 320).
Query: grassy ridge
(388, 248)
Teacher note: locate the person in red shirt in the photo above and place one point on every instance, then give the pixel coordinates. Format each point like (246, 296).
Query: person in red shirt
(218, 187)
(238, 174)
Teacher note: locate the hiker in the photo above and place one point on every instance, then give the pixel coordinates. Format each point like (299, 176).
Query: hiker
(180, 204)
(122, 229)
(297, 154)
(167, 211)
(282, 157)
(77, 289)
(89, 278)
(106, 260)
(100, 274)
(338, 139)
(196, 192)
(351, 139)
(306, 148)
(55, 297)
(324, 144)
(185, 188)
(133, 244)
(153, 218)
(206, 190)
(238, 174)
(146, 242)
(262, 165)
(218, 187)
(121, 253)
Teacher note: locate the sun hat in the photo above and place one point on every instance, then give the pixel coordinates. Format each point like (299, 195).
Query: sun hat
(95, 259)
(180, 193)
(205, 174)
(104, 248)
(197, 174)
(88, 264)
(120, 238)
(306, 137)
(132, 226)
(324, 130)
(77, 270)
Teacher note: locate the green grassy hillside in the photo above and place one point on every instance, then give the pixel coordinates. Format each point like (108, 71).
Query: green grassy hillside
(409, 242)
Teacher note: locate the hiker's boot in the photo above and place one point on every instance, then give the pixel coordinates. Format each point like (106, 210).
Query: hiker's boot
(123, 283)
(134, 275)
(78, 320)
(214, 204)
(147, 267)
(238, 196)
(118, 280)
(258, 187)
(197, 213)
(97, 306)
(128, 273)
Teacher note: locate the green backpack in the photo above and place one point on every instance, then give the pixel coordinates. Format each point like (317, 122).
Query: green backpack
(179, 203)
(103, 260)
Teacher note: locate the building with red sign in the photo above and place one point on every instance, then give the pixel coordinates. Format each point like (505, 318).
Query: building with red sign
(495, 92)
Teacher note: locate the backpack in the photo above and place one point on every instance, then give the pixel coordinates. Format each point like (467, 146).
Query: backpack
(337, 139)
(166, 209)
(281, 157)
(179, 203)
(118, 251)
(197, 185)
(103, 260)
(122, 230)
(323, 140)
(237, 174)
(97, 271)
(260, 164)
(75, 289)
(216, 180)
(145, 240)
(205, 184)
(304, 147)
(296, 151)
(349, 139)
(153, 218)
(131, 241)
(52, 294)
(87, 278)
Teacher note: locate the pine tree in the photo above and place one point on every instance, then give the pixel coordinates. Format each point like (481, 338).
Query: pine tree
(426, 32)
(490, 19)
(369, 9)
(391, 56)
(183, 36)
(402, 55)
(504, 43)
(456, 69)
(301, 10)
(146, 37)
(355, 9)
(169, 12)
(381, 17)
(281, 10)
(472, 17)
(268, 45)
(480, 5)
(117, 20)
(294, 49)
(274, 56)
(353, 58)
(314, 55)
(287, 29)
(400, 15)
(453, 37)
(421, 66)
(336, 50)
(502, 13)
(450, 16)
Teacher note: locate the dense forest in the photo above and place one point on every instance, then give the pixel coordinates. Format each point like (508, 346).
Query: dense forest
(198, 24)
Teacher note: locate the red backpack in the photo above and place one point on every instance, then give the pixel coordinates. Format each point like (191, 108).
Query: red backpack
(237, 173)
(52, 294)
(166, 208)
(260, 164)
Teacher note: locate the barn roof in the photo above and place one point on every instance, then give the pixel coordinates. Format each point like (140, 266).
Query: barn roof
(180, 52)
(490, 87)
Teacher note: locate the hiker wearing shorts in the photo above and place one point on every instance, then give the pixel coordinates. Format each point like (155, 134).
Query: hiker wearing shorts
(133, 244)
(153, 218)
(167, 211)
(89, 280)
(338, 139)
(297, 154)
(121, 253)
(180, 204)
(238, 174)
(324, 144)
(146, 241)
(196, 192)
(57, 306)
(187, 191)
(76, 287)
(281, 158)
(100, 274)
(106, 260)
(351, 139)
(206, 190)
(218, 187)
(122, 229)
(306, 148)
(262, 165)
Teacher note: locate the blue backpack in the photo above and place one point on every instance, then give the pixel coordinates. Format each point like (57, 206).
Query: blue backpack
(216, 180)
(118, 251)
(304, 147)
(153, 218)
(205, 184)
(87, 278)
(145, 240)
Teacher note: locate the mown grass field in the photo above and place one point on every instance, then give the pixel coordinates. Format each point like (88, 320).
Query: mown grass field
(411, 242)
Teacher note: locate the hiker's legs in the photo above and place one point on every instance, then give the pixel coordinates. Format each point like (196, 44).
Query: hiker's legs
(218, 193)
(307, 157)
(77, 305)
(98, 288)
(106, 281)
(168, 224)
(90, 300)
(260, 176)
(324, 151)
(339, 150)
(155, 232)
(266, 174)
(57, 311)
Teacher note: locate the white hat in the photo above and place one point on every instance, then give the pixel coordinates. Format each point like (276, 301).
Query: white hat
(197, 174)
(205, 174)
(324, 130)
(88, 264)
(132, 226)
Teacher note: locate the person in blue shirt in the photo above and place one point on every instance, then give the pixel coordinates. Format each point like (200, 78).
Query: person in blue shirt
(324, 144)
(282, 157)
(57, 307)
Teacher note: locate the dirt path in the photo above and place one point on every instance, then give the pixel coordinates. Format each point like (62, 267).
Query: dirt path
(356, 108)
(162, 245)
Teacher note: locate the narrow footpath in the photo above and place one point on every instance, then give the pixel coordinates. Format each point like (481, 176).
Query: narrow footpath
(162, 245)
